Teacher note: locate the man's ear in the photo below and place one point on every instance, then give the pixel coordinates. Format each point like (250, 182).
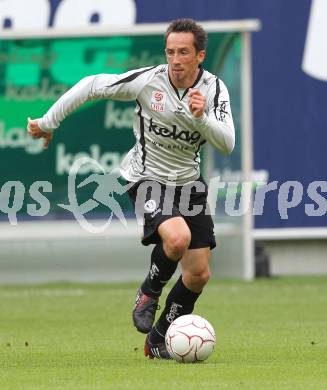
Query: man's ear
(201, 56)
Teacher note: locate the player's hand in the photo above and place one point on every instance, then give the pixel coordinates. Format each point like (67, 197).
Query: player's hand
(196, 103)
(36, 132)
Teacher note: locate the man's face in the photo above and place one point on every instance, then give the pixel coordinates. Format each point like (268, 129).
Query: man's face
(182, 58)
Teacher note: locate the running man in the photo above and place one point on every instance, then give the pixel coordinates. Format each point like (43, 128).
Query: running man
(179, 106)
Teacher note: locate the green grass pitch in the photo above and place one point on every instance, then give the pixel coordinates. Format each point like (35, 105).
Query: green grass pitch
(271, 334)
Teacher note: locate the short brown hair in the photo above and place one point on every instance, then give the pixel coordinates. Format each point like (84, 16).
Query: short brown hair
(189, 25)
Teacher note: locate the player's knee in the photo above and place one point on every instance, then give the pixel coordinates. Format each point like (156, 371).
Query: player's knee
(198, 279)
(177, 245)
(202, 278)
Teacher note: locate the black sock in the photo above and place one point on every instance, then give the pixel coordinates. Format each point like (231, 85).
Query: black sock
(161, 270)
(180, 301)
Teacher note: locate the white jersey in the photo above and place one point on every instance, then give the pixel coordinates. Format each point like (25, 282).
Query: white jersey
(168, 136)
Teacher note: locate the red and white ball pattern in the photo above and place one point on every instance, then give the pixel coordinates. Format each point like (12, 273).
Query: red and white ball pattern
(190, 339)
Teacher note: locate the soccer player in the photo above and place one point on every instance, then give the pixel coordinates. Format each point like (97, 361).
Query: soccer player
(179, 106)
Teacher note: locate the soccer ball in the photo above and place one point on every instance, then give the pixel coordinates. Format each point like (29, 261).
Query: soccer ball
(190, 339)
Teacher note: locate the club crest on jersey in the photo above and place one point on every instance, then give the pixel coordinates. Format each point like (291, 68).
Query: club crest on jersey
(150, 206)
(158, 101)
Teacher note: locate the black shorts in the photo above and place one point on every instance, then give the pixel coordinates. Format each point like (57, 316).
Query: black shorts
(156, 203)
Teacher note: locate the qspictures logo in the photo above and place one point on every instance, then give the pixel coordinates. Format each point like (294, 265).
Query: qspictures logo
(107, 185)
(238, 197)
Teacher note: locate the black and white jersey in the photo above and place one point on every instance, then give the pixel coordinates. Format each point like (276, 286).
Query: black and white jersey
(168, 136)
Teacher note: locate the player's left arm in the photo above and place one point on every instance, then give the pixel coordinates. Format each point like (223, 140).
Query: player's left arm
(213, 117)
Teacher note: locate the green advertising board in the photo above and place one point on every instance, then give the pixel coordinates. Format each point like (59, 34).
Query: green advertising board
(34, 73)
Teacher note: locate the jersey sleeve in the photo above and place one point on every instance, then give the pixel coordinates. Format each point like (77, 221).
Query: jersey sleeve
(123, 87)
(216, 125)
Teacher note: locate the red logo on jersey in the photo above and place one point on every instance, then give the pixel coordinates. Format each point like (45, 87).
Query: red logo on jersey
(158, 96)
(158, 101)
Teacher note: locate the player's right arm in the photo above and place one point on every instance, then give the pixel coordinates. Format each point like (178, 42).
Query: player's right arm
(36, 132)
(123, 87)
